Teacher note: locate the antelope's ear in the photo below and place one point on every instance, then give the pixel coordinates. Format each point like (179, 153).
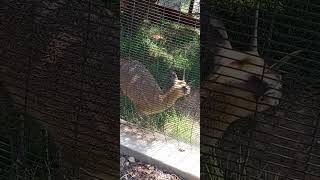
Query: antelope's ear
(173, 75)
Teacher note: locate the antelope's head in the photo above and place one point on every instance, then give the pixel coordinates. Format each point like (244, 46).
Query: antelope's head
(180, 87)
(244, 69)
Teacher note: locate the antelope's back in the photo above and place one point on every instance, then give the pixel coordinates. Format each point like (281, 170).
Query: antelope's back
(137, 82)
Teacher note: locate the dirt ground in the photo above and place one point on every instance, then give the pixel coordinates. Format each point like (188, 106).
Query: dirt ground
(132, 169)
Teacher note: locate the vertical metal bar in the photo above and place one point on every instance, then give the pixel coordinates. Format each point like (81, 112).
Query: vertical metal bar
(191, 6)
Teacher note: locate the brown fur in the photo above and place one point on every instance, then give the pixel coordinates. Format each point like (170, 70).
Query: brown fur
(137, 83)
(229, 93)
(232, 100)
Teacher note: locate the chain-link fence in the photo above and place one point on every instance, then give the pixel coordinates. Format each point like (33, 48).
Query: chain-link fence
(260, 96)
(59, 94)
(159, 40)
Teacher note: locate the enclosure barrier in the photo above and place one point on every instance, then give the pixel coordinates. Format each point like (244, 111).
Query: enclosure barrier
(259, 109)
(158, 40)
(58, 62)
(160, 63)
(259, 98)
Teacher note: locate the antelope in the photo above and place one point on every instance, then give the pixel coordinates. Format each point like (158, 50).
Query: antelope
(240, 84)
(137, 83)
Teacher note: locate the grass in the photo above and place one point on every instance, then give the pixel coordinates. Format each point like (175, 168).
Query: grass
(180, 126)
(164, 47)
(177, 48)
(171, 122)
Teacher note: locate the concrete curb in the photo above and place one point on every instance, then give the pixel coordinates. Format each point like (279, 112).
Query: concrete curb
(166, 153)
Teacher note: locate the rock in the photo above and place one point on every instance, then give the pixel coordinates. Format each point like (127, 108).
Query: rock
(131, 159)
(126, 163)
(122, 160)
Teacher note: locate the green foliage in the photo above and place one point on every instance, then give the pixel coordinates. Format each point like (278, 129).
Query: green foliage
(185, 6)
(172, 123)
(178, 48)
(180, 126)
(164, 47)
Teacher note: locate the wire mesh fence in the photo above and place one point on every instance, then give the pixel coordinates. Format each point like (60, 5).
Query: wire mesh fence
(160, 51)
(259, 98)
(59, 95)
(259, 89)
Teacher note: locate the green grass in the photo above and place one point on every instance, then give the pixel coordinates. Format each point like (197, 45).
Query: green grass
(180, 126)
(178, 50)
(171, 122)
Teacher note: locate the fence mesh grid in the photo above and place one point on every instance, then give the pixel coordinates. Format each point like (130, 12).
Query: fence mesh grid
(58, 60)
(59, 97)
(158, 37)
(264, 122)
